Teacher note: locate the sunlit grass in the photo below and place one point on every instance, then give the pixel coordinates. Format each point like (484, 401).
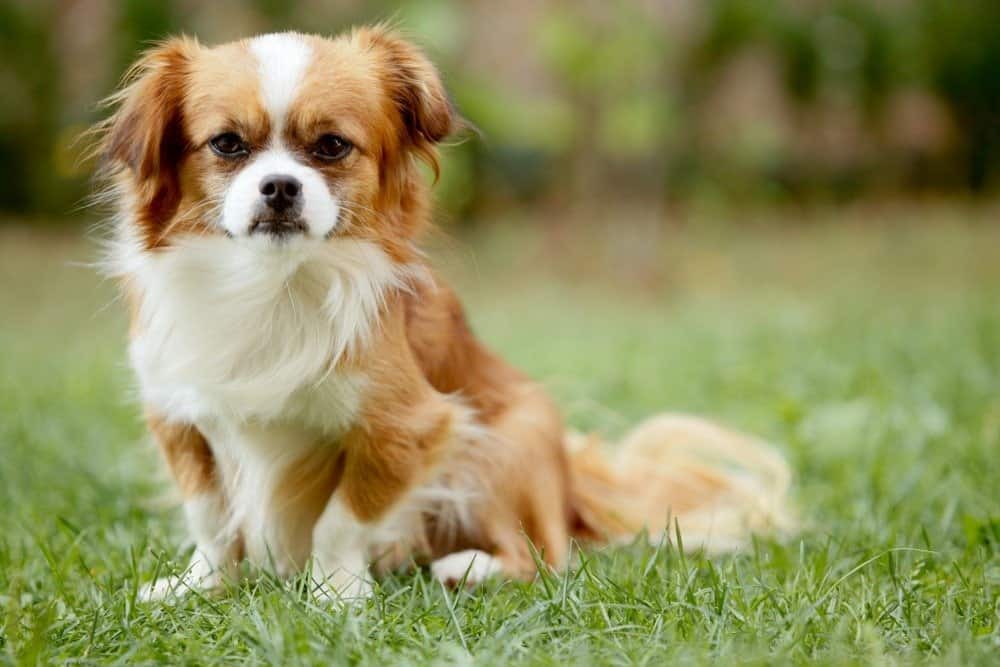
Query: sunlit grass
(868, 348)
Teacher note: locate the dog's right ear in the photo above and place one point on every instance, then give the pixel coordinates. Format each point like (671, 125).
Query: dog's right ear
(145, 137)
(145, 133)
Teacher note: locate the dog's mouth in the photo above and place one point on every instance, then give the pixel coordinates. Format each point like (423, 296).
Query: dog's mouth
(278, 227)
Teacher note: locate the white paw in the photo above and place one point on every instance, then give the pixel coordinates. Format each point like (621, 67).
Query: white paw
(174, 587)
(473, 565)
(199, 576)
(341, 588)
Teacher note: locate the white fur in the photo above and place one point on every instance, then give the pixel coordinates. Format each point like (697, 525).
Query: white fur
(241, 329)
(320, 209)
(340, 555)
(214, 556)
(282, 59)
(253, 457)
(472, 565)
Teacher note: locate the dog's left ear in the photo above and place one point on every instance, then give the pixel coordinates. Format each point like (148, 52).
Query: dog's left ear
(428, 115)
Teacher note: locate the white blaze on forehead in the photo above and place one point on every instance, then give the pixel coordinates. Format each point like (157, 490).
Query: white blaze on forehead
(282, 60)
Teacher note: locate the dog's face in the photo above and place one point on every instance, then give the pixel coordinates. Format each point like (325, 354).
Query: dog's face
(280, 139)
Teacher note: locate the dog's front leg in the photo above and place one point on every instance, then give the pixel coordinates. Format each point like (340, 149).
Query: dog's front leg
(340, 554)
(194, 468)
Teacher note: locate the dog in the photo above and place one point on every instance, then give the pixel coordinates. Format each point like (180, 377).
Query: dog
(312, 384)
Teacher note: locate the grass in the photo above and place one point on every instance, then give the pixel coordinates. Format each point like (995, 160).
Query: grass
(865, 343)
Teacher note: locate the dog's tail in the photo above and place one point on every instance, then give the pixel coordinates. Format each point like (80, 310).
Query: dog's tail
(718, 486)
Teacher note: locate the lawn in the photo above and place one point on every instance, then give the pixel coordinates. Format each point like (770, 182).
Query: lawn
(865, 343)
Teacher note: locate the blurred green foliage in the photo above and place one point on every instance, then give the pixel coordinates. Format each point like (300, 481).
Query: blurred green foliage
(582, 102)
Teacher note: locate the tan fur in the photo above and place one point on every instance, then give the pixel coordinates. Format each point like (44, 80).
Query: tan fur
(306, 487)
(404, 427)
(717, 485)
(187, 455)
(146, 134)
(425, 371)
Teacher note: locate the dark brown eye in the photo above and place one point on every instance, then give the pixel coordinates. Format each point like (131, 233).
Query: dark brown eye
(331, 148)
(229, 145)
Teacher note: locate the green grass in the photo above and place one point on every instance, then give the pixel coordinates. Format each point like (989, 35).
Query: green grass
(865, 343)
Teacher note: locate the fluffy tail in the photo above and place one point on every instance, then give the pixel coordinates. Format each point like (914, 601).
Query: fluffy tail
(720, 486)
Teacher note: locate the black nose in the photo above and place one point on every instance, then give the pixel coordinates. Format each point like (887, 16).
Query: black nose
(281, 192)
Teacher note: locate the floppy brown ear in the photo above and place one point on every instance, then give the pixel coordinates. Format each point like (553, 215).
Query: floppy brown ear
(145, 133)
(415, 86)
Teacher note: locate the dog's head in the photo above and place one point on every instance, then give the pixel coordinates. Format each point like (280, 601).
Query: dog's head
(284, 138)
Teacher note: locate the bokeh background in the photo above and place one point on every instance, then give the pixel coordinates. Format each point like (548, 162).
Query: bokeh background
(584, 103)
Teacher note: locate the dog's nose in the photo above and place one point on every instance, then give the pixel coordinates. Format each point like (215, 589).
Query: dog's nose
(281, 192)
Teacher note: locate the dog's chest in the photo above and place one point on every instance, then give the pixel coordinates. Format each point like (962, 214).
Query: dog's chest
(225, 333)
(328, 404)
(263, 392)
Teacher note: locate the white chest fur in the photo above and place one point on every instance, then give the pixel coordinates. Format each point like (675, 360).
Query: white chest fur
(235, 329)
(243, 340)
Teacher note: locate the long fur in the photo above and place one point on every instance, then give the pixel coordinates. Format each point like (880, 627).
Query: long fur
(717, 486)
(250, 330)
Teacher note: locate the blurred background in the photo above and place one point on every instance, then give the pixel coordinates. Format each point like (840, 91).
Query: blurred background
(589, 105)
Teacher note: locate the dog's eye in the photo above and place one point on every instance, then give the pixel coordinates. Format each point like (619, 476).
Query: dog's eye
(228, 144)
(330, 147)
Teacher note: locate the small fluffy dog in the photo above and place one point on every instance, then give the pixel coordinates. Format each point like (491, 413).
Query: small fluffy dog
(311, 383)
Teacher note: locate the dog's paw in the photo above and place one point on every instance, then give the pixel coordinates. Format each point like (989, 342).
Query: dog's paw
(472, 565)
(171, 588)
(342, 588)
(199, 576)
